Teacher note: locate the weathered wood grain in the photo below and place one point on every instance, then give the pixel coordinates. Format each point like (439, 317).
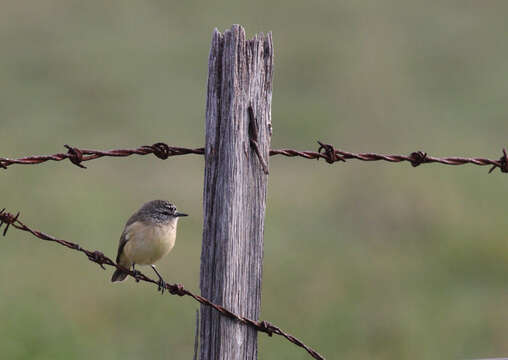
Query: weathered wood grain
(239, 76)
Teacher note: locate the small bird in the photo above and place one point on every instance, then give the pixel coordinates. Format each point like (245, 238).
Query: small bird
(149, 235)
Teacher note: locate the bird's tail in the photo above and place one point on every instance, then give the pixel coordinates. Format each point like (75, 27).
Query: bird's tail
(118, 275)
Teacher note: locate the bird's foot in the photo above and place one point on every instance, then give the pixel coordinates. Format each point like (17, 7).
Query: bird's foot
(137, 274)
(161, 285)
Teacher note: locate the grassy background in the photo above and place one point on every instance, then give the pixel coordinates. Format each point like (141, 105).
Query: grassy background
(362, 260)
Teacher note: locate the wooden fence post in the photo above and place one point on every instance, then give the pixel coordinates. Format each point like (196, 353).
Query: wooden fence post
(239, 77)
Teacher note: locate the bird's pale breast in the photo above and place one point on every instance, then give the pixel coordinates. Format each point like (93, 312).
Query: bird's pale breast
(146, 244)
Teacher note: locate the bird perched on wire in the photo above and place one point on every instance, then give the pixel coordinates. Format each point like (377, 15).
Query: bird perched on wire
(149, 235)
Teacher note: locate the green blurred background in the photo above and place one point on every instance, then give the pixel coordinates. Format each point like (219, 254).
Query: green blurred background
(362, 260)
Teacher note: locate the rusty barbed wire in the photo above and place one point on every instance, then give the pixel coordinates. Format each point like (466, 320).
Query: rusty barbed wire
(77, 156)
(175, 289)
(325, 151)
(332, 155)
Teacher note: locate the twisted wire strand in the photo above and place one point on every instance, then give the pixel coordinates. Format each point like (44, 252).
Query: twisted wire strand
(326, 151)
(77, 156)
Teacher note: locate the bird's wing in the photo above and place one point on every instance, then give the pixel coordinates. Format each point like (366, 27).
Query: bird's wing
(131, 224)
(121, 244)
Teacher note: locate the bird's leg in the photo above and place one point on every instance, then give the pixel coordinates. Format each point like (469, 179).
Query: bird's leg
(161, 284)
(136, 272)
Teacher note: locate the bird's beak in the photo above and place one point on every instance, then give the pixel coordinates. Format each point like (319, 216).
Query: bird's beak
(178, 214)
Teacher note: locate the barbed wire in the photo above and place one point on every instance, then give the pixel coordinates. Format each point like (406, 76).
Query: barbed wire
(77, 156)
(332, 155)
(175, 289)
(325, 151)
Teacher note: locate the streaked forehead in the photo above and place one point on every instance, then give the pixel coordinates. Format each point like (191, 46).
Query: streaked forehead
(169, 206)
(160, 204)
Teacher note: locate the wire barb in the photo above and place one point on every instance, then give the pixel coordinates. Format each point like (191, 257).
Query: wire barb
(98, 257)
(267, 328)
(177, 289)
(329, 153)
(174, 289)
(75, 156)
(417, 158)
(6, 218)
(161, 150)
(502, 163)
